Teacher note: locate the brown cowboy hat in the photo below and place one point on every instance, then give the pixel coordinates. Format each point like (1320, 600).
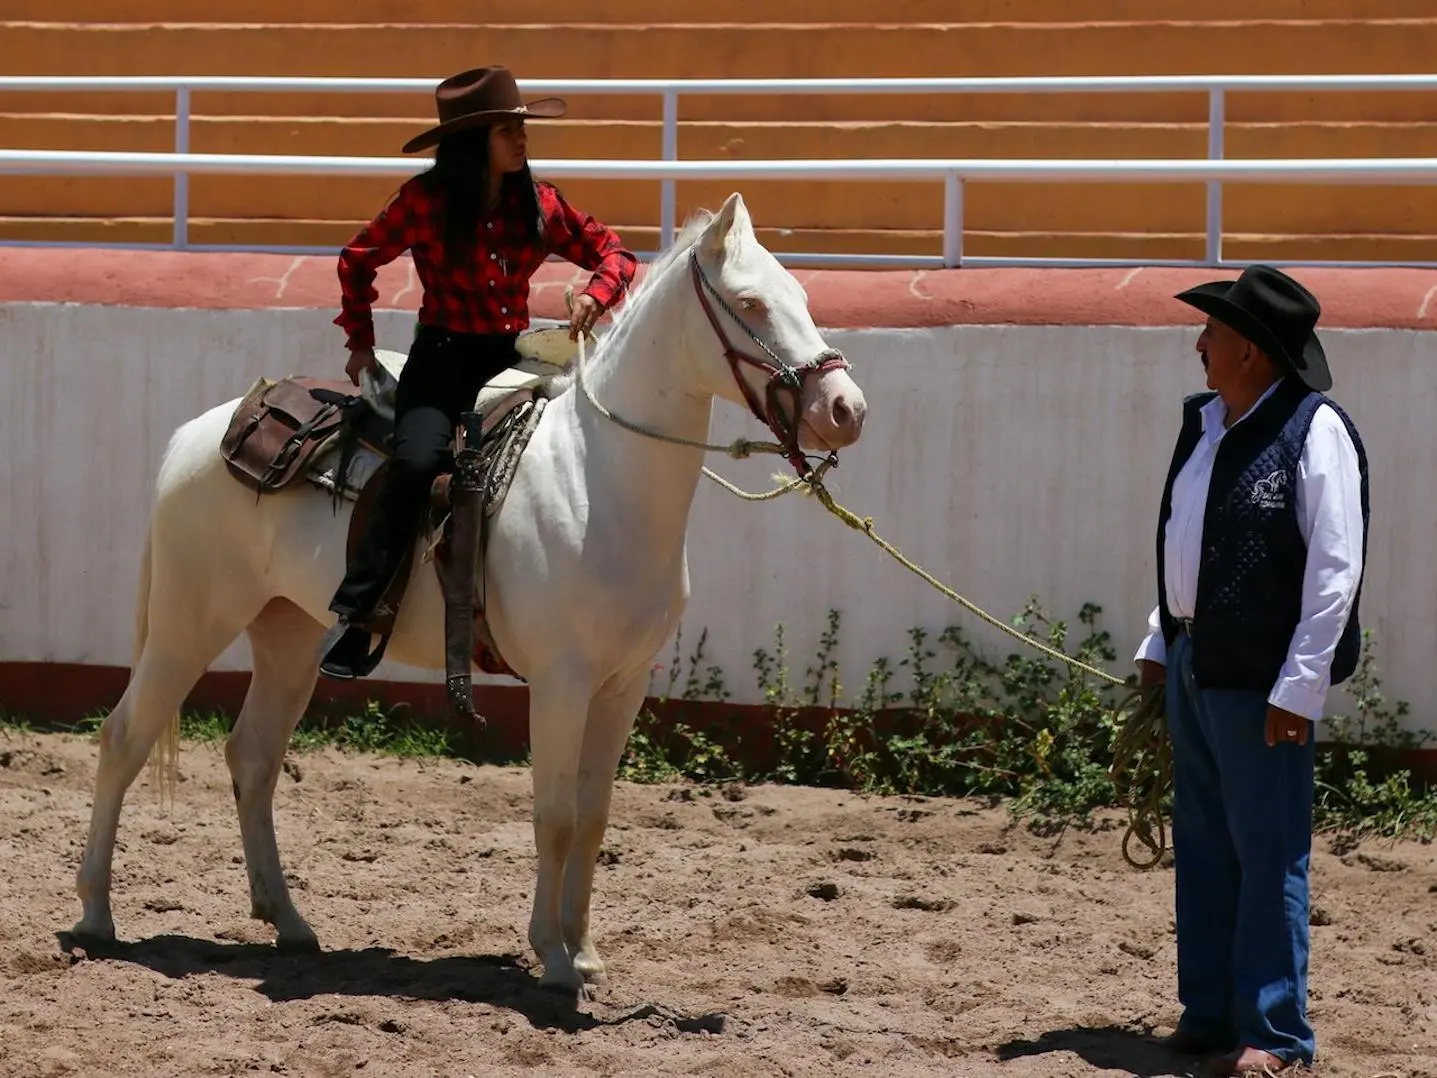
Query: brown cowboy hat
(477, 97)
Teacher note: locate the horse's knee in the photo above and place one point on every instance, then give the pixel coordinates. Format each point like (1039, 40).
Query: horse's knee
(589, 828)
(120, 747)
(555, 823)
(234, 753)
(556, 819)
(249, 765)
(112, 732)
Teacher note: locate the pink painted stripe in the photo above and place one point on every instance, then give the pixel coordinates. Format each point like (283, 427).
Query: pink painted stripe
(1392, 298)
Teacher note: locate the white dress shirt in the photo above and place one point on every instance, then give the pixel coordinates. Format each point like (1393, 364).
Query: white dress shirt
(1329, 516)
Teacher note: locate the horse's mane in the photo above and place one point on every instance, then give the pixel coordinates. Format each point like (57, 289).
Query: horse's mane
(685, 239)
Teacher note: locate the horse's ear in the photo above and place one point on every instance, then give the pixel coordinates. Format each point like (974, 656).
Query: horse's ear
(733, 214)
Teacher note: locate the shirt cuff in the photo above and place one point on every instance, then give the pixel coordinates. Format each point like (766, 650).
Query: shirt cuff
(1153, 648)
(1299, 699)
(601, 292)
(358, 332)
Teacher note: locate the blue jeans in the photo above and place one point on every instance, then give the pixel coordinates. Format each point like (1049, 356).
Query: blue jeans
(1242, 839)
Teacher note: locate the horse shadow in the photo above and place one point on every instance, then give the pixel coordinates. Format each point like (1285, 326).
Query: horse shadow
(1107, 1048)
(496, 980)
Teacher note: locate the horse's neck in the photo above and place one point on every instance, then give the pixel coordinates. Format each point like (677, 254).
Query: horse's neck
(642, 377)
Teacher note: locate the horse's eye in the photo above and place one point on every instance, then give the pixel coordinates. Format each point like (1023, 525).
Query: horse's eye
(749, 303)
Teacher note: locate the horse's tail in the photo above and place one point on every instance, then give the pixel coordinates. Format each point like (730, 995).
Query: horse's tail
(142, 606)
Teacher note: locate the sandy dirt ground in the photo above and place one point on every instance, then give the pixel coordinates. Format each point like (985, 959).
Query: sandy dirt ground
(748, 931)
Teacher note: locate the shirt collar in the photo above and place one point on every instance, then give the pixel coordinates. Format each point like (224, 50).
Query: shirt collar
(1215, 411)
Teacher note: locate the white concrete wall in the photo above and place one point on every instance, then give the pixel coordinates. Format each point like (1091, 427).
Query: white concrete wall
(1006, 460)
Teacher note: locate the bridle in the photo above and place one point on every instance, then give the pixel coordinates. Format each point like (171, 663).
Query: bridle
(784, 380)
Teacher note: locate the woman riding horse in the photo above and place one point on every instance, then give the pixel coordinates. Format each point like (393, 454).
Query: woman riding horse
(478, 226)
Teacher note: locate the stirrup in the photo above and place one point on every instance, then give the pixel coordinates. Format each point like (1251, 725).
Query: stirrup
(362, 669)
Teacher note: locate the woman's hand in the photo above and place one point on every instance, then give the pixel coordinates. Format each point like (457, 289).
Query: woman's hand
(361, 359)
(585, 313)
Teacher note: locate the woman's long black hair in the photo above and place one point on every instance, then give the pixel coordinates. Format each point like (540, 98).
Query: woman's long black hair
(460, 178)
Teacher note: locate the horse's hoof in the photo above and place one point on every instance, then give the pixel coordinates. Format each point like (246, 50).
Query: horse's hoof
(93, 937)
(591, 970)
(93, 931)
(569, 984)
(297, 943)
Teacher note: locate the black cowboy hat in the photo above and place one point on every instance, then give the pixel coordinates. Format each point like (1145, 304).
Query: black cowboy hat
(1275, 313)
(477, 97)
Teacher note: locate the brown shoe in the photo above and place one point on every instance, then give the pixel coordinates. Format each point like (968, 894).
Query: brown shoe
(1249, 1061)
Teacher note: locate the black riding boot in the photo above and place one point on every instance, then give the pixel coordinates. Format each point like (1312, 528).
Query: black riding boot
(441, 378)
(390, 530)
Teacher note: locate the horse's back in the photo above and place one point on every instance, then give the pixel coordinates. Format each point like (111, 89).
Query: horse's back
(194, 448)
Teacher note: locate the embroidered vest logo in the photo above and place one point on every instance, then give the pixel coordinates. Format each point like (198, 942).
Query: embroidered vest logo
(1270, 493)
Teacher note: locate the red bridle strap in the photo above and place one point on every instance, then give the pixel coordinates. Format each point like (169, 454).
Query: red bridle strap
(783, 379)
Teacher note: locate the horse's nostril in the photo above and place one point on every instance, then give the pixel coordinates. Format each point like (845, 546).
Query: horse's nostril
(842, 413)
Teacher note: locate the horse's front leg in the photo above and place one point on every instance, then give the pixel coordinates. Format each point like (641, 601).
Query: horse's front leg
(611, 717)
(558, 708)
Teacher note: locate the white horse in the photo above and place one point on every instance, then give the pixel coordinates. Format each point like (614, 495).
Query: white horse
(585, 577)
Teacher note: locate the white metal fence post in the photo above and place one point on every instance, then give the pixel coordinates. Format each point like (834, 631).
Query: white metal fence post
(1216, 148)
(952, 220)
(671, 153)
(182, 179)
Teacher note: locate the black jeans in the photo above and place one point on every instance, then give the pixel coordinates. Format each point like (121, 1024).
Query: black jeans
(441, 378)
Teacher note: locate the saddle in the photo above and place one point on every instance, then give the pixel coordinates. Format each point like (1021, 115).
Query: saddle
(330, 436)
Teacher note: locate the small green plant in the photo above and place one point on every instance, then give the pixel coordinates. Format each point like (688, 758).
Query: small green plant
(1026, 730)
(1031, 730)
(663, 752)
(372, 729)
(799, 754)
(14, 724)
(1359, 790)
(205, 726)
(644, 758)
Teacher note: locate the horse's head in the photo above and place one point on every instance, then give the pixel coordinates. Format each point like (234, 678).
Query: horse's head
(756, 343)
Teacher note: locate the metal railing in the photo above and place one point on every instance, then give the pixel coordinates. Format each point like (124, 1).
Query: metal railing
(1212, 171)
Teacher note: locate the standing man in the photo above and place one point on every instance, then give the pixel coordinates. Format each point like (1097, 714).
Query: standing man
(1260, 543)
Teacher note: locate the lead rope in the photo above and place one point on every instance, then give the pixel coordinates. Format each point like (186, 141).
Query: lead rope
(1142, 753)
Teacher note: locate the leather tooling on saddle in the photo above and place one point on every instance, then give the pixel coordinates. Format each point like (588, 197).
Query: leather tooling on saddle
(337, 438)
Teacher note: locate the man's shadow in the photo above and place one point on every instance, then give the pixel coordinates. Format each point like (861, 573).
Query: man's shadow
(496, 980)
(1108, 1048)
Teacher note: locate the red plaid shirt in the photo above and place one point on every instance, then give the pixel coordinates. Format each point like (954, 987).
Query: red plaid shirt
(491, 293)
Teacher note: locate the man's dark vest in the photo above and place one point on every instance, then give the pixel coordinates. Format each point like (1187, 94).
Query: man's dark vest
(1249, 593)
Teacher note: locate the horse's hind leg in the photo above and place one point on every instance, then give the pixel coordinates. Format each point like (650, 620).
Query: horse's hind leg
(611, 717)
(172, 658)
(284, 641)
